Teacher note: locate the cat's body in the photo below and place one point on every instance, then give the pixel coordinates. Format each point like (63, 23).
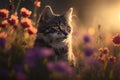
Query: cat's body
(54, 31)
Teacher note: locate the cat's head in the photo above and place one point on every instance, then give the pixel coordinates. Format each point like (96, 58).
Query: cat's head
(54, 26)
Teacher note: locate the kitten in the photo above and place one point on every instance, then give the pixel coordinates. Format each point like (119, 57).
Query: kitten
(54, 31)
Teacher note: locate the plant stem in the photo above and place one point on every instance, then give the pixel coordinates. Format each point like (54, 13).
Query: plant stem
(18, 5)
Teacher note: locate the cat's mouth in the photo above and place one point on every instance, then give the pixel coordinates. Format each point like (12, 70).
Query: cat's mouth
(61, 39)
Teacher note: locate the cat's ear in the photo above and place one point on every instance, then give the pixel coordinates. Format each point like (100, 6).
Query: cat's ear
(68, 14)
(46, 14)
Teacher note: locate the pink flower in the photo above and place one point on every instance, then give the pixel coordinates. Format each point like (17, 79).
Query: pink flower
(32, 30)
(25, 12)
(116, 40)
(4, 13)
(4, 23)
(26, 22)
(37, 4)
(112, 59)
(102, 58)
(104, 50)
(13, 20)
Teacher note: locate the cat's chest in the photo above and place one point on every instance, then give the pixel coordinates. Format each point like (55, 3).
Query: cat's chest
(58, 45)
(60, 48)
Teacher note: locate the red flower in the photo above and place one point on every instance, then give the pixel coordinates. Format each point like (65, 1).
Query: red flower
(11, 7)
(37, 4)
(116, 40)
(102, 58)
(32, 30)
(4, 13)
(112, 59)
(4, 23)
(25, 12)
(13, 20)
(26, 22)
(15, 26)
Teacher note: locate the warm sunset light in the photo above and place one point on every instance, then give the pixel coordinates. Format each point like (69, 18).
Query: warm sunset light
(59, 39)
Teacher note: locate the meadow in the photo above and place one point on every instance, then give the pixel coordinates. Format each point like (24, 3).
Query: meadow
(97, 53)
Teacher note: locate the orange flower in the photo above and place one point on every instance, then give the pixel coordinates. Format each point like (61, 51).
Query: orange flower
(32, 30)
(37, 4)
(100, 49)
(25, 12)
(116, 40)
(4, 13)
(13, 20)
(26, 22)
(104, 50)
(4, 23)
(3, 35)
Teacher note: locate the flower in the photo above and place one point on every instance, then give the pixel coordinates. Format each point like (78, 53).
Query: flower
(60, 67)
(13, 20)
(37, 4)
(21, 76)
(88, 51)
(102, 58)
(90, 61)
(4, 13)
(112, 59)
(2, 42)
(32, 30)
(11, 7)
(100, 49)
(30, 58)
(87, 38)
(32, 54)
(4, 23)
(3, 35)
(104, 50)
(18, 67)
(44, 52)
(15, 26)
(26, 22)
(25, 12)
(116, 40)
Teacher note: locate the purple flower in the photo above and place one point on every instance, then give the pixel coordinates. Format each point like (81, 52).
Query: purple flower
(60, 67)
(91, 61)
(30, 58)
(88, 51)
(44, 52)
(2, 42)
(21, 76)
(87, 38)
(19, 67)
(32, 54)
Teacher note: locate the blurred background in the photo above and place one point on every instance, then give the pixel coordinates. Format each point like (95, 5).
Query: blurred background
(90, 13)
(95, 23)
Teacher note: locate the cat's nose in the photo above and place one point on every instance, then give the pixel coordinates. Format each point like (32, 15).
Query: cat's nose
(65, 33)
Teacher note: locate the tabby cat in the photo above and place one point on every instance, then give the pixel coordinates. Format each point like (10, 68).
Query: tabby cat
(54, 31)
